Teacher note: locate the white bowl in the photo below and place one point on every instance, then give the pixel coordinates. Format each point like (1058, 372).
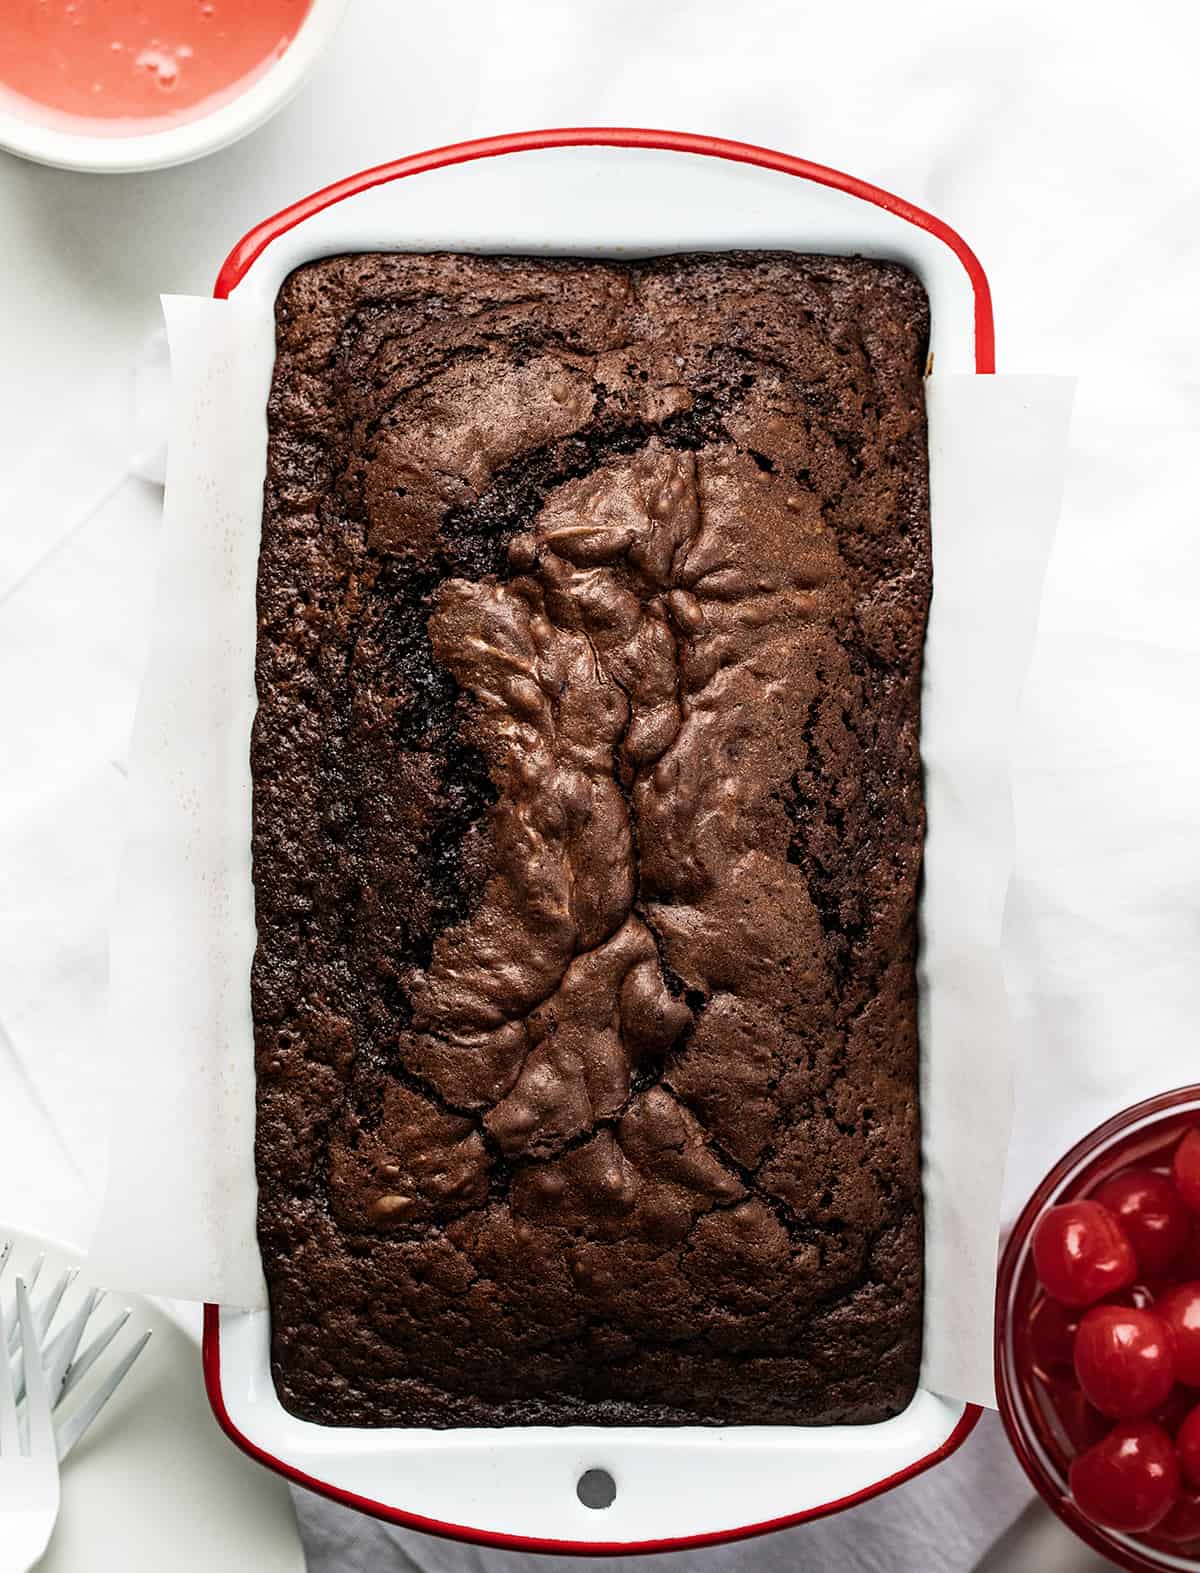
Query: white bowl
(51, 143)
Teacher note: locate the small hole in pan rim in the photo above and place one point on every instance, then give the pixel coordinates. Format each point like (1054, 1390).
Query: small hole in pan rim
(596, 1488)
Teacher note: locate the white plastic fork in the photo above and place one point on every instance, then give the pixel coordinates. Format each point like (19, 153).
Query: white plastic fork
(38, 1370)
(29, 1463)
(59, 1354)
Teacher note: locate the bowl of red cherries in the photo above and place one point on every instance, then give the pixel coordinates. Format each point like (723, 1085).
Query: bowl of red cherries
(1098, 1336)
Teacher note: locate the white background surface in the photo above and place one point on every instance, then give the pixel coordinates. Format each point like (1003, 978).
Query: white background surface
(1058, 140)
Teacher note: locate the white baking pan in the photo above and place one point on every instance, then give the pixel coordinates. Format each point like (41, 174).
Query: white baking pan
(606, 193)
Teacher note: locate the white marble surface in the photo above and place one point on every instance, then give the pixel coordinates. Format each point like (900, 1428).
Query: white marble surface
(1058, 140)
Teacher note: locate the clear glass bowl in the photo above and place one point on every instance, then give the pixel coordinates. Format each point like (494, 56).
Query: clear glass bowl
(1035, 1427)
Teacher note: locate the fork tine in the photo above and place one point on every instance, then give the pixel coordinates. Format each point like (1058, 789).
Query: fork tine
(37, 1403)
(62, 1350)
(44, 1314)
(73, 1429)
(10, 1322)
(5, 1253)
(50, 1350)
(79, 1368)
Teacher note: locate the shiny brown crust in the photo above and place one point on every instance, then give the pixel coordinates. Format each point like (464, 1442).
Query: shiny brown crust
(587, 831)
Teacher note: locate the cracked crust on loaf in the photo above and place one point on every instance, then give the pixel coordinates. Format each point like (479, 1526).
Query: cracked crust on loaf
(587, 832)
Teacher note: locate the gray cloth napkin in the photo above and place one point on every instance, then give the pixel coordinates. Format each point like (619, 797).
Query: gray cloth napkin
(943, 1520)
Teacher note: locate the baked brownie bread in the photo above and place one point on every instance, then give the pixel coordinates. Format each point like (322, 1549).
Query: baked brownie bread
(587, 832)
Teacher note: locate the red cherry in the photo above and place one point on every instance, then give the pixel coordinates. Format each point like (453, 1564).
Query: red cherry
(1152, 1214)
(1182, 1523)
(1185, 1169)
(1052, 1329)
(1081, 1253)
(1180, 1310)
(1124, 1360)
(1129, 1480)
(1187, 1445)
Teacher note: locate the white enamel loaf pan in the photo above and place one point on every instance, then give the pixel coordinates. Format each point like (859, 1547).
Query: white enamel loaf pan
(598, 193)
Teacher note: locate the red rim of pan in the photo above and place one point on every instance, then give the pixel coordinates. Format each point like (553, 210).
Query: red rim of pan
(233, 270)
(256, 240)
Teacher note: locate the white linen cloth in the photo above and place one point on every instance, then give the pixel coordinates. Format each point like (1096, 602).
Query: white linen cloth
(1059, 141)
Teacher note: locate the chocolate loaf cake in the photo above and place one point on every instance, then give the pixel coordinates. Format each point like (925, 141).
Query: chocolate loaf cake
(587, 831)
